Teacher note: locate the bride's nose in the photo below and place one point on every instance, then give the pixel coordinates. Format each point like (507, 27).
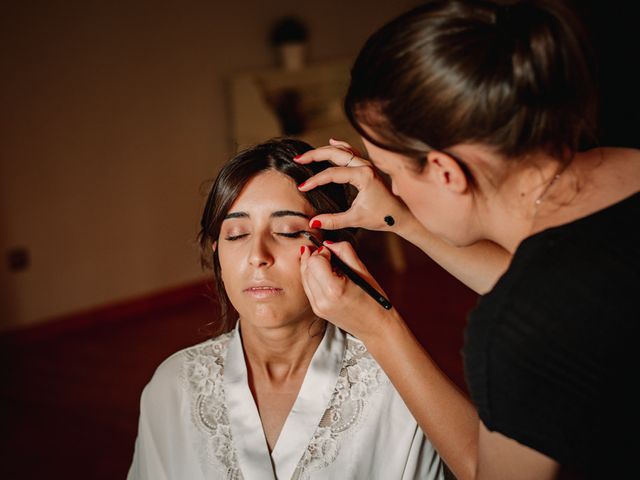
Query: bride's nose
(260, 254)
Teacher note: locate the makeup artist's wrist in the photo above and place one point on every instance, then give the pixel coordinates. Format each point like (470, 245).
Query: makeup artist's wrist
(384, 324)
(408, 227)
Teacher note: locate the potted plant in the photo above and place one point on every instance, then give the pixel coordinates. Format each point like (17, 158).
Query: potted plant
(289, 37)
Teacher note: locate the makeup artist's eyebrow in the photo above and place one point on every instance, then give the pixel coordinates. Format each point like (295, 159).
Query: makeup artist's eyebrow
(276, 214)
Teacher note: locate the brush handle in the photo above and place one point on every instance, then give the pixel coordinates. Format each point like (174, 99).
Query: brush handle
(361, 282)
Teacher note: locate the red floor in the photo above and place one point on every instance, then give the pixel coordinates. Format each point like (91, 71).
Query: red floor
(69, 405)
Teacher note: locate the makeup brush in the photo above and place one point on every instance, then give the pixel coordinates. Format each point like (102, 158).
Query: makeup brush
(353, 276)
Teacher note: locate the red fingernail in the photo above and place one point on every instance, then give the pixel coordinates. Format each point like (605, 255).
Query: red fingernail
(297, 157)
(301, 249)
(302, 184)
(328, 242)
(320, 249)
(316, 224)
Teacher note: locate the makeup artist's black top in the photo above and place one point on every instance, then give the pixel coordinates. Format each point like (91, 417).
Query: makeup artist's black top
(551, 353)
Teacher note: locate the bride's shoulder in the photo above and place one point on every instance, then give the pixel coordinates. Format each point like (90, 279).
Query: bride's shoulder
(204, 359)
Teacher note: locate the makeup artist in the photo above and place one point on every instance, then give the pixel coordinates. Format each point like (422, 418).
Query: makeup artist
(477, 113)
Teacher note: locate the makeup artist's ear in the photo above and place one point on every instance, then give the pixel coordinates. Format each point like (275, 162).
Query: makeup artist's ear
(446, 172)
(214, 246)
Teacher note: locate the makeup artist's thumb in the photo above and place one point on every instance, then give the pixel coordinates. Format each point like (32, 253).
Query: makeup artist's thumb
(333, 221)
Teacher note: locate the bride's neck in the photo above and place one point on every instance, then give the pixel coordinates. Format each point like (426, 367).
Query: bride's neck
(280, 353)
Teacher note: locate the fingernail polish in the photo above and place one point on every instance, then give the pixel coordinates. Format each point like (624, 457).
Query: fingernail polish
(316, 224)
(328, 242)
(320, 249)
(302, 184)
(297, 157)
(301, 249)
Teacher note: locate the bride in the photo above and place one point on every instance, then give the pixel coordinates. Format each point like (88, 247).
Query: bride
(278, 393)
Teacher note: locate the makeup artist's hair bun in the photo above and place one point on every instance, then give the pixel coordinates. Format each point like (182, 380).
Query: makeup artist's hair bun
(514, 77)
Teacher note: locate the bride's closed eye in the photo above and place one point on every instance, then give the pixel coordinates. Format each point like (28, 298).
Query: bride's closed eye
(297, 234)
(231, 238)
(292, 234)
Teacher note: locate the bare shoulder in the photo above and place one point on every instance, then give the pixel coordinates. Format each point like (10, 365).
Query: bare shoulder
(596, 179)
(616, 169)
(607, 176)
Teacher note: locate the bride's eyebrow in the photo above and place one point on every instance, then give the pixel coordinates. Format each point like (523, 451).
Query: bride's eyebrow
(276, 214)
(286, 213)
(236, 215)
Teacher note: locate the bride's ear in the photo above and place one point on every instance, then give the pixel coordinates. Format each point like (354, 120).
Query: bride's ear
(214, 246)
(446, 171)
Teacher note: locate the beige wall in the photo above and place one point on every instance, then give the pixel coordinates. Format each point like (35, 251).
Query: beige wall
(112, 115)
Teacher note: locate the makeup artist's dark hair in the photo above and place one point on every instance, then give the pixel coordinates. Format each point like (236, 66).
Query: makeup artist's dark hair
(276, 154)
(511, 76)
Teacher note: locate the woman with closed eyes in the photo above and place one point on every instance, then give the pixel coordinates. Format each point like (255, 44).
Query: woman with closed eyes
(279, 393)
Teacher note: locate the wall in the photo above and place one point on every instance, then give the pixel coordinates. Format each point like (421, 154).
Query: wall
(112, 115)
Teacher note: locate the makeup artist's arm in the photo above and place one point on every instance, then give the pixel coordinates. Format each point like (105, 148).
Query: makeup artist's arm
(478, 266)
(440, 409)
(445, 414)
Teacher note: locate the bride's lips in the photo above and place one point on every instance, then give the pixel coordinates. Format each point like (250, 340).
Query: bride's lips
(263, 291)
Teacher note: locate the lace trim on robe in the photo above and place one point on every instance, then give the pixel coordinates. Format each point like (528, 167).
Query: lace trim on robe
(360, 378)
(202, 377)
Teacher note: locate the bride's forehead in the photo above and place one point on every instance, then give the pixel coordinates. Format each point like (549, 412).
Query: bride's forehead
(270, 190)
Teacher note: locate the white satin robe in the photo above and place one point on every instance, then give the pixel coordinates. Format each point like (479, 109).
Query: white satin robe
(198, 420)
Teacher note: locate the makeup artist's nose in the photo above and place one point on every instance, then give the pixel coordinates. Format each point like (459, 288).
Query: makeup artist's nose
(260, 254)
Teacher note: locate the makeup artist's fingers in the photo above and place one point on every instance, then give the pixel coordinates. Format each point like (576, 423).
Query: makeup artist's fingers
(336, 155)
(357, 176)
(315, 269)
(335, 221)
(309, 291)
(373, 208)
(337, 299)
(342, 144)
(328, 288)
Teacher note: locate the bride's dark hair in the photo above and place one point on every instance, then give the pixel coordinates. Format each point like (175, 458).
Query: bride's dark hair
(276, 154)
